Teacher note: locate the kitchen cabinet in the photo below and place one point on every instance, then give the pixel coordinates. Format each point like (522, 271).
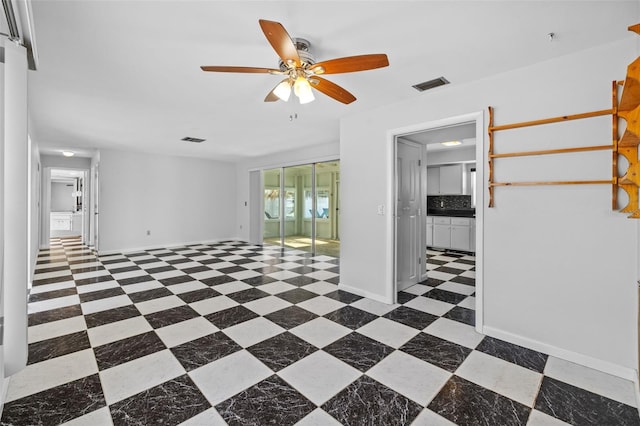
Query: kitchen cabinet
(455, 233)
(429, 231)
(445, 180)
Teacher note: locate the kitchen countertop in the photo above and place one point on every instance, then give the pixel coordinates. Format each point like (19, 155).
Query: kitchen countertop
(452, 212)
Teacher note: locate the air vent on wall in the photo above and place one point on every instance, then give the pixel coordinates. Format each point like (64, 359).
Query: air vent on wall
(194, 140)
(440, 81)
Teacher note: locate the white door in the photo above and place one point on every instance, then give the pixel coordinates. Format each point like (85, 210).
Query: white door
(408, 215)
(96, 210)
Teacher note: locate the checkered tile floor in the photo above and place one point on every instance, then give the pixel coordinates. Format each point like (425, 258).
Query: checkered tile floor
(232, 333)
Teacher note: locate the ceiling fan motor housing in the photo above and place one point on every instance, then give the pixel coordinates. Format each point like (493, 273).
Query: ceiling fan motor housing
(303, 47)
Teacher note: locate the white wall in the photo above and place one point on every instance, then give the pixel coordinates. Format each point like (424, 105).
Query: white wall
(454, 155)
(318, 153)
(60, 162)
(180, 200)
(61, 199)
(560, 268)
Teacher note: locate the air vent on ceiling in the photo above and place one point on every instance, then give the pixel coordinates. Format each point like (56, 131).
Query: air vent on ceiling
(194, 140)
(440, 81)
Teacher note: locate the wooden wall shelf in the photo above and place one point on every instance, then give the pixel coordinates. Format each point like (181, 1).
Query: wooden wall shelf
(628, 109)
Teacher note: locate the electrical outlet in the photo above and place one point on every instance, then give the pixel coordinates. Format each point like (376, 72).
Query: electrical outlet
(148, 232)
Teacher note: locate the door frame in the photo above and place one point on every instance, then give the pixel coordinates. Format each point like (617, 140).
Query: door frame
(392, 135)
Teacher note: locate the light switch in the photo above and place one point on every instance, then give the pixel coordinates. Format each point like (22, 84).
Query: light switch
(381, 209)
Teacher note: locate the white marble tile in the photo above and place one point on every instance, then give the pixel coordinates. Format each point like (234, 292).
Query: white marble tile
(221, 265)
(143, 286)
(429, 418)
(58, 328)
(89, 288)
(167, 274)
(54, 274)
(58, 302)
(416, 379)
(373, 306)
(160, 304)
(104, 304)
(320, 331)
(130, 378)
(276, 287)
(319, 376)
(186, 287)
(185, 331)
(130, 274)
(250, 332)
(318, 417)
(206, 274)
(429, 305)
(508, 379)
(266, 305)
(91, 274)
(323, 265)
(441, 275)
(288, 265)
(592, 380)
(455, 332)
(283, 275)
(538, 418)
(62, 262)
(457, 288)
(468, 274)
(118, 330)
(214, 304)
(209, 417)
(221, 379)
(101, 417)
(389, 332)
(321, 305)
(417, 289)
(50, 373)
(469, 303)
(243, 275)
(321, 287)
(321, 275)
(187, 265)
(231, 287)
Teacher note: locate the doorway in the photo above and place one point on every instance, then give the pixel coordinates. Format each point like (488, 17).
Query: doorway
(417, 261)
(67, 204)
(301, 207)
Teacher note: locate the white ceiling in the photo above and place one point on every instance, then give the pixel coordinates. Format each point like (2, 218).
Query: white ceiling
(125, 74)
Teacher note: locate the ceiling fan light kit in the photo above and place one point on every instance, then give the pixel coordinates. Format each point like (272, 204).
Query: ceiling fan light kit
(298, 64)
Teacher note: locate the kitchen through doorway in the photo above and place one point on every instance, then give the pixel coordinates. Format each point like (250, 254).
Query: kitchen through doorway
(68, 203)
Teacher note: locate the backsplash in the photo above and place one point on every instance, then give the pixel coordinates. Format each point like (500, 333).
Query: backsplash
(455, 202)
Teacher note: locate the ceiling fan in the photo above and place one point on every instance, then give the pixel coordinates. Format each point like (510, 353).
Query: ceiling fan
(301, 71)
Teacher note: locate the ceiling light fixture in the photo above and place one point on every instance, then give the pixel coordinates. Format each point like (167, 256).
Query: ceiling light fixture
(283, 90)
(68, 153)
(302, 89)
(451, 143)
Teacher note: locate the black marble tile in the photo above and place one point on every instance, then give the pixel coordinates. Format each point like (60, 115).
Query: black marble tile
(411, 317)
(170, 403)
(464, 280)
(138, 254)
(259, 280)
(368, 402)
(465, 403)
(128, 349)
(222, 279)
(281, 351)
(351, 317)
(47, 295)
(53, 269)
(196, 295)
(232, 269)
(135, 280)
(442, 353)
(210, 261)
(112, 315)
(196, 269)
(56, 405)
(171, 316)
(463, 315)
(466, 261)
(179, 261)
(114, 261)
(145, 261)
(358, 351)
(58, 346)
(267, 270)
(242, 261)
(53, 280)
(249, 295)
(156, 293)
(54, 315)
(433, 261)
(230, 317)
(202, 351)
(80, 261)
(167, 254)
(343, 296)
(302, 270)
(515, 354)
(124, 269)
(334, 280)
(176, 280)
(160, 269)
(269, 402)
(101, 294)
(291, 317)
(404, 297)
(445, 296)
(94, 280)
(297, 295)
(577, 406)
(301, 280)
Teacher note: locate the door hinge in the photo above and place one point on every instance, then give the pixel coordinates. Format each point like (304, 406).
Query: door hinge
(419, 261)
(419, 163)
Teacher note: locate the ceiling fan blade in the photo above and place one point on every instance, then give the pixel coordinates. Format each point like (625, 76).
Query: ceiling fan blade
(351, 64)
(252, 70)
(331, 89)
(280, 41)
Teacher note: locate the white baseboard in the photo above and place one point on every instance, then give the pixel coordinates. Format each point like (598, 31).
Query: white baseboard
(575, 357)
(160, 245)
(363, 293)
